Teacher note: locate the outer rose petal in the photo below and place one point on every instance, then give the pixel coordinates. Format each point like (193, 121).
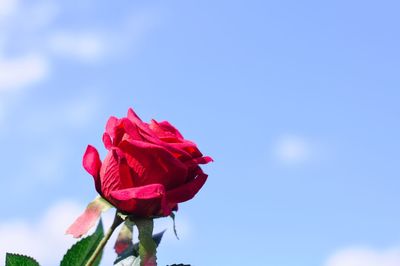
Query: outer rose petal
(91, 161)
(113, 174)
(189, 147)
(203, 160)
(148, 192)
(143, 192)
(188, 190)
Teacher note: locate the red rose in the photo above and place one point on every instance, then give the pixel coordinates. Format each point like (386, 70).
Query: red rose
(149, 168)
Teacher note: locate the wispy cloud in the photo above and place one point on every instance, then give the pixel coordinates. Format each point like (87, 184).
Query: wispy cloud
(44, 239)
(361, 256)
(81, 46)
(20, 72)
(22, 24)
(7, 7)
(92, 44)
(292, 149)
(38, 45)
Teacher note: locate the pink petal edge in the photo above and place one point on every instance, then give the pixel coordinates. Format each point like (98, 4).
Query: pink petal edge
(88, 218)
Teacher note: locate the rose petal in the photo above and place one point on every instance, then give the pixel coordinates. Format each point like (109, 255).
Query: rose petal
(177, 151)
(153, 164)
(110, 174)
(203, 160)
(133, 116)
(189, 147)
(143, 192)
(168, 127)
(89, 217)
(131, 129)
(110, 126)
(187, 191)
(127, 197)
(164, 135)
(107, 141)
(91, 161)
(144, 127)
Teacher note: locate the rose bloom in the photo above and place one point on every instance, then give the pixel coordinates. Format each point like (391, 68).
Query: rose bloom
(149, 168)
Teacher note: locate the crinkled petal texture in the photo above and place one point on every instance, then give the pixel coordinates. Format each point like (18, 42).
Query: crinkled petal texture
(149, 168)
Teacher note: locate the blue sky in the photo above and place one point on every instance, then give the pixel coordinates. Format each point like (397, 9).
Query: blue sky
(297, 102)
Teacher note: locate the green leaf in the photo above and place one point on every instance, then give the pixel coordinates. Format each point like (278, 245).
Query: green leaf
(20, 260)
(80, 252)
(147, 246)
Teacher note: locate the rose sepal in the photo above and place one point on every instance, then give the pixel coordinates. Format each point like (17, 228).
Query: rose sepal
(89, 217)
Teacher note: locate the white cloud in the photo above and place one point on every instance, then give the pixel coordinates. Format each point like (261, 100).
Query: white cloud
(20, 72)
(28, 31)
(7, 7)
(22, 25)
(45, 239)
(79, 46)
(360, 256)
(291, 149)
(91, 45)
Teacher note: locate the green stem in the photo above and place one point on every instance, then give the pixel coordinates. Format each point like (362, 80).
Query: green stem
(117, 221)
